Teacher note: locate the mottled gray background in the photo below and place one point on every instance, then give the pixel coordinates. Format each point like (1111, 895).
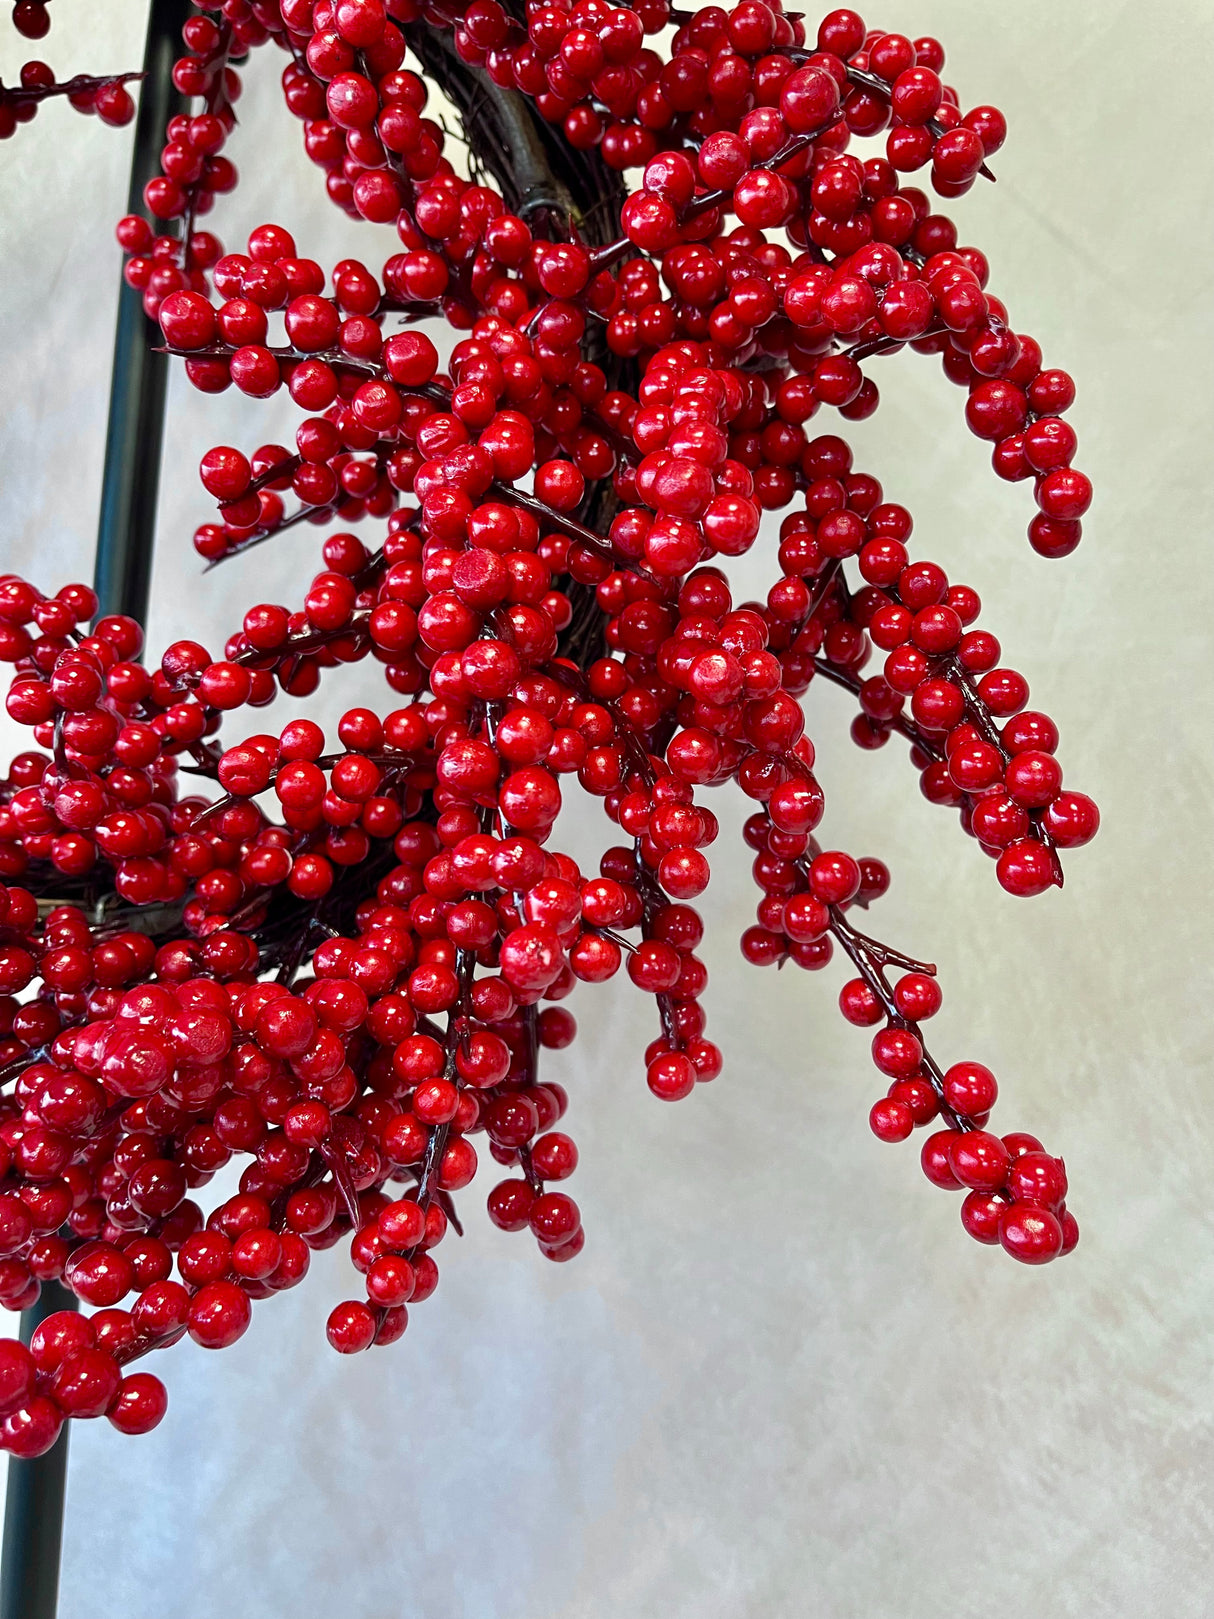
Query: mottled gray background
(780, 1381)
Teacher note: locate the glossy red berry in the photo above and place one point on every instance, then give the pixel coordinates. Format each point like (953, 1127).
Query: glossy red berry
(1030, 1234)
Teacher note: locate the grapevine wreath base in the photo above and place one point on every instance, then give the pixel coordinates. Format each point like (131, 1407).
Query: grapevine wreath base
(338, 959)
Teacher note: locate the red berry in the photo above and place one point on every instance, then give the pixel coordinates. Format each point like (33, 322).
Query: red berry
(139, 1405)
(1030, 1234)
(219, 1315)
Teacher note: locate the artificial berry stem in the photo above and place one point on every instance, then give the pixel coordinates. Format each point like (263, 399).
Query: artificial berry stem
(80, 84)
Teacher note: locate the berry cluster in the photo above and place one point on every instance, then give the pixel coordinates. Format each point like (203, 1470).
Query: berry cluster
(106, 96)
(339, 964)
(1005, 781)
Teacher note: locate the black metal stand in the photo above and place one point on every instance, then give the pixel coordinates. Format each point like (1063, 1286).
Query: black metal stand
(33, 1508)
(33, 1512)
(131, 478)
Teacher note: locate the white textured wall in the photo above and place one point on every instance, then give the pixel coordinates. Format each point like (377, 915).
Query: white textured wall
(780, 1381)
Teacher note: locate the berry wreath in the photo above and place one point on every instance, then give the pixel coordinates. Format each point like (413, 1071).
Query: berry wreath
(337, 963)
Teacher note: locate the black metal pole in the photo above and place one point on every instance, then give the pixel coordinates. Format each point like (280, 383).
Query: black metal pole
(131, 477)
(33, 1510)
(33, 1507)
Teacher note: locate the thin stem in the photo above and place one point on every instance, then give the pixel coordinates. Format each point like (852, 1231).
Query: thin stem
(887, 345)
(80, 84)
(898, 723)
(556, 519)
(870, 958)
